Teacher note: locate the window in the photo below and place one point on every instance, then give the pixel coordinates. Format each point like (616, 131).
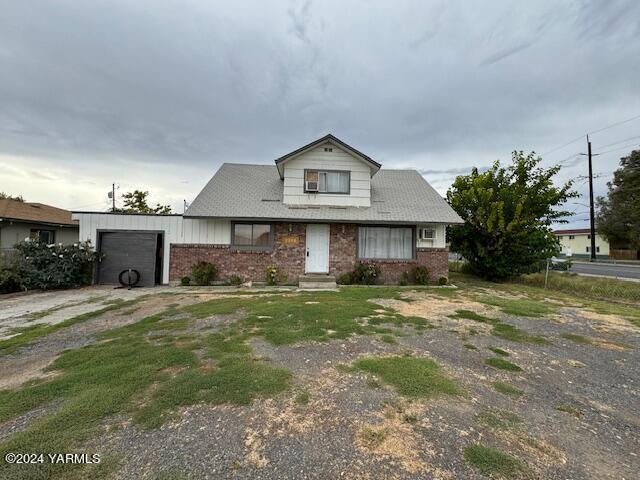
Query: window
(252, 235)
(385, 242)
(45, 236)
(597, 249)
(588, 248)
(571, 237)
(327, 181)
(588, 237)
(559, 237)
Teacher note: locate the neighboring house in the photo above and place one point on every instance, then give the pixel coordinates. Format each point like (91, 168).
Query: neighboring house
(20, 220)
(576, 243)
(318, 210)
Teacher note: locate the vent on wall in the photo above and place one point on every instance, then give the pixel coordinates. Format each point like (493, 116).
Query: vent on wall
(311, 186)
(328, 149)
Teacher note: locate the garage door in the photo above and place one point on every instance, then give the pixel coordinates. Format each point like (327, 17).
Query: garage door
(123, 250)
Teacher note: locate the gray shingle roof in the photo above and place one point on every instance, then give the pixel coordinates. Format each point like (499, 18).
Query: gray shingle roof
(241, 191)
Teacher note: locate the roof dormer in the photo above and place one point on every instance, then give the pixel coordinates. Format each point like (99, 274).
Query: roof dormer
(328, 142)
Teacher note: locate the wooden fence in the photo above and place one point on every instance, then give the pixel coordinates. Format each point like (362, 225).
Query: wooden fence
(624, 254)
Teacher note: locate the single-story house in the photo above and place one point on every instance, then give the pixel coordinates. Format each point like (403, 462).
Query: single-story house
(317, 210)
(20, 220)
(576, 243)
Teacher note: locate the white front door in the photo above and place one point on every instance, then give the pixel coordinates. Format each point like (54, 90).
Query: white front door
(317, 248)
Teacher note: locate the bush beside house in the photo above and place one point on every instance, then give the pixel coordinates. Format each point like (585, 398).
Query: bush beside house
(38, 266)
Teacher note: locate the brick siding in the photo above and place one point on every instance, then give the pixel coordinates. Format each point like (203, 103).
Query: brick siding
(290, 259)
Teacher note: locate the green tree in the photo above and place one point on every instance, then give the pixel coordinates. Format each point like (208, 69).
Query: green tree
(137, 202)
(619, 212)
(17, 198)
(508, 212)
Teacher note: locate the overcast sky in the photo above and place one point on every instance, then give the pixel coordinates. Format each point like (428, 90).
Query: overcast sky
(156, 94)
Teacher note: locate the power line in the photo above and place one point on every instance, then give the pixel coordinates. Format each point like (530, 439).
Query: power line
(614, 125)
(619, 141)
(620, 148)
(590, 133)
(562, 146)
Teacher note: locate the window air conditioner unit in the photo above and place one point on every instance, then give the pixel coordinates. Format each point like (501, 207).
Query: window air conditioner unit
(311, 186)
(427, 233)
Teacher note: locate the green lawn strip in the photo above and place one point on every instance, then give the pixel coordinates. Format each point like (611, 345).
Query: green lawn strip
(318, 316)
(388, 339)
(605, 288)
(410, 376)
(29, 334)
(498, 419)
(502, 364)
(499, 351)
(501, 329)
(495, 463)
(238, 380)
(577, 338)
(507, 389)
(520, 307)
(515, 334)
(96, 382)
(627, 311)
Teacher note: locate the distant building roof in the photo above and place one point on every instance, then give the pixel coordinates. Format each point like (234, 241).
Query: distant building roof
(578, 231)
(35, 212)
(241, 191)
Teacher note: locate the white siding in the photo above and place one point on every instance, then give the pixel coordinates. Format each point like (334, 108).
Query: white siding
(438, 242)
(317, 158)
(175, 228)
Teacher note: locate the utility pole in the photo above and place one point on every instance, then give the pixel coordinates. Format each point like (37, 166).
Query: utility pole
(113, 193)
(591, 206)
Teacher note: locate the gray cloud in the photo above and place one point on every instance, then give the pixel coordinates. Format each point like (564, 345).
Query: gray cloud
(184, 86)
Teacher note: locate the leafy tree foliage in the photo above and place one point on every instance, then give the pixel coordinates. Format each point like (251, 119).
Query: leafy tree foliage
(508, 212)
(17, 198)
(619, 212)
(137, 202)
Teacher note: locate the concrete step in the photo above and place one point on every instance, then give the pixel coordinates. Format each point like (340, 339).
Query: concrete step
(316, 281)
(317, 277)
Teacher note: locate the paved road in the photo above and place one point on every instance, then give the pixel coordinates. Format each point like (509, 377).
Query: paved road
(608, 269)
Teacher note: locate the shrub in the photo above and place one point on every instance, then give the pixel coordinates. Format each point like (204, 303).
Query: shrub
(185, 281)
(204, 273)
(366, 274)
(236, 280)
(420, 275)
(46, 267)
(272, 275)
(9, 278)
(404, 279)
(443, 281)
(345, 279)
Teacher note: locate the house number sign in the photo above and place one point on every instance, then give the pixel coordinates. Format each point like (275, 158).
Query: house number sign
(289, 240)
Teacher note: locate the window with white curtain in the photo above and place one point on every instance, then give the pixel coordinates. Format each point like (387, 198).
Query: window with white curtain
(385, 242)
(330, 181)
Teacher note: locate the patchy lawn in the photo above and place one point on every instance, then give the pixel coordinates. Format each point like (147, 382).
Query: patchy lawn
(483, 380)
